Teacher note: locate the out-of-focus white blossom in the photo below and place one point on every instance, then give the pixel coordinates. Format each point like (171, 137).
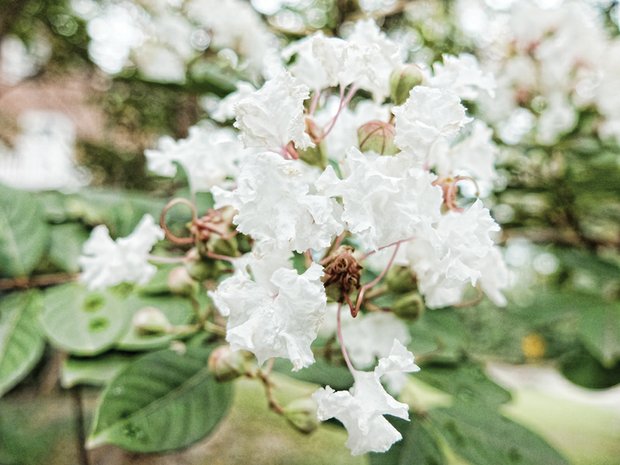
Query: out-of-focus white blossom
(273, 116)
(276, 204)
(385, 199)
(280, 318)
(43, 155)
(361, 409)
(429, 116)
(106, 262)
(463, 76)
(209, 156)
(224, 110)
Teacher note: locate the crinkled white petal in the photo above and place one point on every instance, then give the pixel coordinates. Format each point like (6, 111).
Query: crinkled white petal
(428, 117)
(361, 409)
(455, 253)
(463, 76)
(209, 156)
(280, 320)
(105, 262)
(273, 116)
(385, 199)
(276, 204)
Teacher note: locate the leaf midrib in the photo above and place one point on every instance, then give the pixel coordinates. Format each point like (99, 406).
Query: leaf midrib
(193, 381)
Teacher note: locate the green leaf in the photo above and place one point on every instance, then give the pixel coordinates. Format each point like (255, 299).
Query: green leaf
(439, 336)
(419, 446)
(66, 246)
(599, 330)
(466, 381)
(584, 370)
(21, 342)
(320, 372)
(24, 235)
(96, 371)
(177, 309)
(163, 401)
(484, 437)
(83, 322)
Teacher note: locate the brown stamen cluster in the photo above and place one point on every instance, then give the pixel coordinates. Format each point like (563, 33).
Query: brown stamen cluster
(213, 222)
(342, 270)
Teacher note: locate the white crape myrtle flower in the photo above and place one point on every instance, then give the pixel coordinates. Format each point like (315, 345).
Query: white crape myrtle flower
(429, 116)
(361, 409)
(224, 110)
(369, 59)
(463, 76)
(209, 156)
(106, 262)
(385, 199)
(456, 252)
(273, 311)
(318, 60)
(273, 116)
(277, 204)
(474, 155)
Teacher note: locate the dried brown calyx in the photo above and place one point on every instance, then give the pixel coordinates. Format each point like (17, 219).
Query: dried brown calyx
(342, 271)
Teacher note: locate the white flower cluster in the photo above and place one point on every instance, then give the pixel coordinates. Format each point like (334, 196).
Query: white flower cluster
(552, 60)
(403, 199)
(161, 38)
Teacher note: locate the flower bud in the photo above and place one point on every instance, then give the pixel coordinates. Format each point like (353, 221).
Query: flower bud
(199, 269)
(402, 80)
(227, 364)
(377, 136)
(151, 320)
(409, 307)
(180, 282)
(301, 414)
(400, 279)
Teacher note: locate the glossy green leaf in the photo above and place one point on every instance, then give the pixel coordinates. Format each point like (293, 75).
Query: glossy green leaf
(178, 310)
(21, 342)
(83, 322)
(163, 401)
(419, 445)
(484, 437)
(97, 371)
(466, 381)
(24, 234)
(599, 330)
(66, 246)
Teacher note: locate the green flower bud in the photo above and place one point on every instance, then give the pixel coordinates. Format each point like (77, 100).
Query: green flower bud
(151, 320)
(301, 414)
(180, 282)
(226, 364)
(378, 137)
(400, 279)
(409, 306)
(402, 80)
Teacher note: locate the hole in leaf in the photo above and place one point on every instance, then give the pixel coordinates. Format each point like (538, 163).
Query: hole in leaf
(93, 302)
(98, 324)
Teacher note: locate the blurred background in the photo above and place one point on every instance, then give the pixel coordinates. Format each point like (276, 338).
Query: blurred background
(87, 86)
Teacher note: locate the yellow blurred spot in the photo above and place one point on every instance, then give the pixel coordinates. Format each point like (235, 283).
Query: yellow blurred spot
(533, 346)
